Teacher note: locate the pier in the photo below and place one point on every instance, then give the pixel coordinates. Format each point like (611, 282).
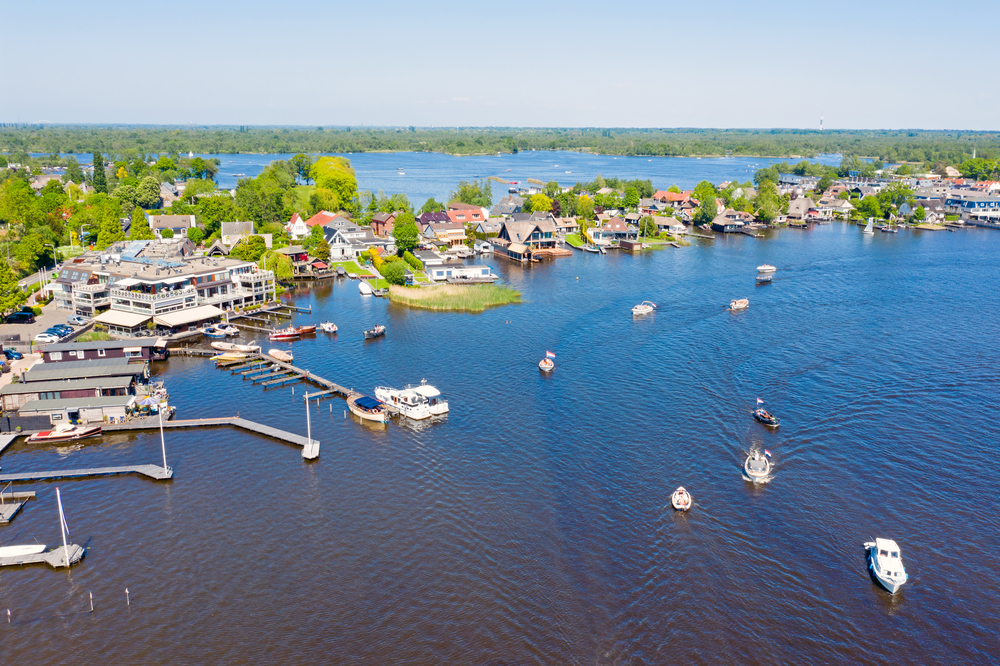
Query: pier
(54, 558)
(10, 505)
(7, 439)
(151, 471)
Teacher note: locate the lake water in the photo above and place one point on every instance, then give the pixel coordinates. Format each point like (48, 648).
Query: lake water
(436, 175)
(532, 526)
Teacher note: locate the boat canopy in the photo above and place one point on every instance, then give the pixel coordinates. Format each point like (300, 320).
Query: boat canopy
(427, 391)
(367, 402)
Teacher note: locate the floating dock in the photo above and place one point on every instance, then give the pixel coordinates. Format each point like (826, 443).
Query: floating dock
(54, 558)
(10, 505)
(152, 471)
(6, 439)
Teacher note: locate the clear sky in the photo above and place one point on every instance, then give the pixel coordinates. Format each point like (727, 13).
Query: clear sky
(710, 63)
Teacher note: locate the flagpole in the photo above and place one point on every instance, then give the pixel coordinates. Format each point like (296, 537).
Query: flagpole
(62, 526)
(163, 445)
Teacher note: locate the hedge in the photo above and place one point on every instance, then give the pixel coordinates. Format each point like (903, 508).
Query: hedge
(414, 263)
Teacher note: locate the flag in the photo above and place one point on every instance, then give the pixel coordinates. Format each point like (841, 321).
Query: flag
(759, 401)
(62, 516)
(767, 453)
(549, 354)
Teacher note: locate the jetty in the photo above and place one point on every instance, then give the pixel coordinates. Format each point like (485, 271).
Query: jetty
(151, 471)
(60, 557)
(10, 505)
(6, 439)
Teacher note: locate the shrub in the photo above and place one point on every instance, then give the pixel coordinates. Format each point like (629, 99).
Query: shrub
(394, 272)
(37, 310)
(377, 261)
(413, 261)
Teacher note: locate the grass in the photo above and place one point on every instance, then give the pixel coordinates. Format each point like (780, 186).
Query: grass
(302, 194)
(379, 283)
(91, 336)
(350, 267)
(455, 298)
(575, 240)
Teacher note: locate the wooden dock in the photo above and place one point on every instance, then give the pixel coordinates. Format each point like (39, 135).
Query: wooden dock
(151, 471)
(54, 558)
(11, 504)
(6, 439)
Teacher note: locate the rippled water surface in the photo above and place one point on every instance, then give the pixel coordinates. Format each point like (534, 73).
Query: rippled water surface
(531, 526)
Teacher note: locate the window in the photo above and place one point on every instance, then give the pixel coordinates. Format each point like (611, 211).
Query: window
(72, 352)
(55, 356)
(100, 352)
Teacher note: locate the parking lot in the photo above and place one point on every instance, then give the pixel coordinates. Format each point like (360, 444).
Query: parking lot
(49, 317)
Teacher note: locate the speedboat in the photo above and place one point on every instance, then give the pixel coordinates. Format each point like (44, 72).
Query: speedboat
(228, 329)
(280, 355)
(766, 268)
(681, 500)
(437, 404)
(591, 248)
(328, 327)
(65, 432)
(643, 308)
(20, 551)
(309, 329)
(408, 401)
(228, 356)
(375, 331)
(213, 332)
(367, 408)
(739, 304)
(764, 278)
(765, 417)
(757, 466)
(546, 365)
(885, 564)
(252, 348)
(283, 334)
(365, 288)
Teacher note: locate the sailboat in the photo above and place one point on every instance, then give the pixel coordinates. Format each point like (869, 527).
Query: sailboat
(869, 228)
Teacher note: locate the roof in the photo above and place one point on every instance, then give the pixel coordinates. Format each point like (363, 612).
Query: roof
(383, 217)
(99, 344)
(98, 367)
(291, 249)
(519, 248)
(120, 318)
(120, 381)
(458, 205)
(236, 228)
(171, 221)
(189, 316)
(321, 218)
(76, 403)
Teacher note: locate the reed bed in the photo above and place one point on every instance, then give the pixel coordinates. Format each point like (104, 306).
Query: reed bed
(455, 298)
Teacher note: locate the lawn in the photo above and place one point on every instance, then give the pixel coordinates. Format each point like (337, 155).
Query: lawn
(575, 240)
(302, 194)
(350, 267)
(91, 336)
(455, 298)
(379, 283)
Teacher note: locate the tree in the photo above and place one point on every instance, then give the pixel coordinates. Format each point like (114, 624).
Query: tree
(199, 168)
(195, 235)
(165, 164)
(279, 263)
(336, 174)
(323, 199)
(111, 232)
(920, 214)
(824, 183)
(213, 211)
(167, 233)
(140, 226)
(767, 202)
(100, 178)
(631, 197)
(314, 237)
(395, 272)
(250, 249)
(475, 193)
(322, 250)
(704, 190)
(406, 233)
(193, 188)
(148, 192)
(539, 202)
(431, 206)
(707, 210)
(674, 189)
(302, 163)
(11, 295)
(647, 227)
(585, 207)
(74, 171)
(869, 207)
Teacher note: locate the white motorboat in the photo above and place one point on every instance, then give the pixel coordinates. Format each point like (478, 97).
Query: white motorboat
(885, 564)
(228, 329)
(19, 551)
(870, 227)
(252, 348)
(739, 304)
(643, 308)
(280, 355)
(546, 365)
(365, 288)
(766, 268)
(681, 500)
(328, 327)
(435, 401)
(65, 432)
(757, 466)
(408, 401)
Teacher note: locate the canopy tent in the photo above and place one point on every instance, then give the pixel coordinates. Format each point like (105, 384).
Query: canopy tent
(189, 316)
(176, 279)
(120, 318)
(319, 264)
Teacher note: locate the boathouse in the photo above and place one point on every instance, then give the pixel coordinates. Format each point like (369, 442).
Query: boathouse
(87, 369)
(80, 410)
(142, 350)
(14, 396)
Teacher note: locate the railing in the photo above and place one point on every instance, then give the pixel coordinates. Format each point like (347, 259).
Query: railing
(143, 296)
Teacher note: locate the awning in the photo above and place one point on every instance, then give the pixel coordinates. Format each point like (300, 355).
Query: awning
(127, 282)
(319, 264)
(160, 343)
(181, 317)
(119, 318)
(517, 248)
(176, 279)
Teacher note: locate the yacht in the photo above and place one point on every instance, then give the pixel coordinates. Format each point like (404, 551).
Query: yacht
(65, 432)
(757, 466)
(643, 308)
(766, 268)
(681, 500)
(408, 401)
(885, 564)
(438, 405)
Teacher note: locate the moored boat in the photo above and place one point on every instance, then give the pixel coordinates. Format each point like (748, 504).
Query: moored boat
(885, 565)
(365, 288)
(213, 332)
(739, 304)
(367, 408)
(328, 327)
(546, 365)
(283, 334)
(251, 348)
(643, 308)
(757, 467)
(408, 401)
(376, 331)
(65, 433)
(309, 329)
(681, 500)
(869, 228)
(766, 268)
(20, 551)
(280, 355)
(228, 329)
(435, 401)
(228, 356)
(764, 278)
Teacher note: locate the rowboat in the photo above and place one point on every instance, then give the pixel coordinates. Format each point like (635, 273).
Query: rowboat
(739, 304)
(19, 551)
(280, 355)
(367, 408)
(283, 334)
(65, 432)
(765, 417)
(233, 347)
(681, 500)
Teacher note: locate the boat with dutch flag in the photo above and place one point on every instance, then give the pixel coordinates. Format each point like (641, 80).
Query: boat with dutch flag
(547, 364)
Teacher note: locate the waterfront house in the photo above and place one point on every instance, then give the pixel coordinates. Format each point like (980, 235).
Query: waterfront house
(614, 230)
(674, 199)
(448, 233)
(830, 207)
(519, 240)
(668, 225)
(80, 410)
(134, 350)
(566, 225)
(731, 221)
(459, 273)
(798, 209)
(298, 256)
(508, 205)
(490, 227)
(14, 396)
(382, 223)
(463, 216)
(296, 228)
(179, 224)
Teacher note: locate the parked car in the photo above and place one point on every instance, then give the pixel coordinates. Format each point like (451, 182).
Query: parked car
(77, 320)
(12, 355)
(21, 318)
(47, 337)
(61, 328)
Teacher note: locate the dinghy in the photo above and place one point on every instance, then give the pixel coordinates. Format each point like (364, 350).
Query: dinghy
(20, 551)
(765, 417)
(681, 500)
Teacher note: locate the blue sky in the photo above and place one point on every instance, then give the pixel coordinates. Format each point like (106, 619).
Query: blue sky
(889, 64)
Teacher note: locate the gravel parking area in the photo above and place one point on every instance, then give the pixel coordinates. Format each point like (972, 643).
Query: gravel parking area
(50, 316)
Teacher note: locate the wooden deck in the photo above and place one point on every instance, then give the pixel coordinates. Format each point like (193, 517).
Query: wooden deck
(11, 504)
(7, 439)
(54, 558)
(151, 471)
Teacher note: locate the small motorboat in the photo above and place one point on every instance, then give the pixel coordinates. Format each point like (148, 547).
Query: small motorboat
(283, 334)
(681, 500)
(228, 329)
(546, 365)
(766, 268)
(365, 288)
(252, 348)
(591, 248)
(643, 308)
(280, 355)
(20, 551)
(367, 408)
(739, 304)
(328, 327)
(376, 331)
(353, 276)
(764, 278)
(65, 432)
(757, 466)
(765, 417)
(309, 329)
(229, 356)
(213, 332)
(885, 565)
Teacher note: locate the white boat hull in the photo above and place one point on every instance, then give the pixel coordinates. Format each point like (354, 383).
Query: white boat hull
(546, 366)
(681, 501)
(757, 474)
(365, 288)
(639, 311)
(417, 411)
(20, 551)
